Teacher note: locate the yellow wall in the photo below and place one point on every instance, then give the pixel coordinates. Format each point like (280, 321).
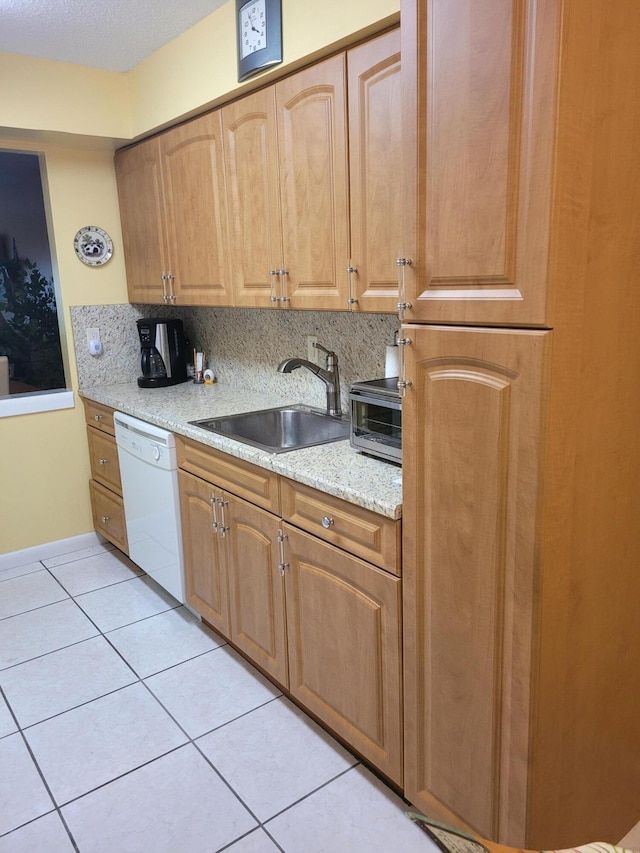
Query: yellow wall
(44, 464)
(41, 95)
(76, 116)
(200, 67)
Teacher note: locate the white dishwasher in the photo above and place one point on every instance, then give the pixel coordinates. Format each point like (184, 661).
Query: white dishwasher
(149, 474)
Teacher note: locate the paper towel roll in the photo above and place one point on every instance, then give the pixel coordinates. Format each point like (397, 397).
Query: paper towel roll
(391, 361)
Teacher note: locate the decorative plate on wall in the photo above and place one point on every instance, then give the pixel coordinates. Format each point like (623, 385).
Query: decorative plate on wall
(93, 246)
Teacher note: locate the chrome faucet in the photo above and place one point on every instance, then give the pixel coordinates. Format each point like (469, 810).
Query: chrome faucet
(329, 375)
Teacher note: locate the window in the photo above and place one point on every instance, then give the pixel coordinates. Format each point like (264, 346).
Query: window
(30, 349)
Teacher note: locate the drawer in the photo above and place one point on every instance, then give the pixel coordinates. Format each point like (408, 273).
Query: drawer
(235, 475)
(357, 530)
(99, 416)
(108, 515)
(103, 455)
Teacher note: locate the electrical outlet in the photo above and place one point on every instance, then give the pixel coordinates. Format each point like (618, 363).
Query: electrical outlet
(312, 352)
(93, 335)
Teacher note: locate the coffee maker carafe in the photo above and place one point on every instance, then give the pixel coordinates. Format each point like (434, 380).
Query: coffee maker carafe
(162, 353)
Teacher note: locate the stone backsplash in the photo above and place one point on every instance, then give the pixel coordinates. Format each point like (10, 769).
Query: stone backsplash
(243, 346)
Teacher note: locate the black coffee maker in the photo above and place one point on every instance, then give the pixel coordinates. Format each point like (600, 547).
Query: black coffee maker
(163, 353)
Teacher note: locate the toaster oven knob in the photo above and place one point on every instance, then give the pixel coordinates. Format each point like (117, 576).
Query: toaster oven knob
(327, 521)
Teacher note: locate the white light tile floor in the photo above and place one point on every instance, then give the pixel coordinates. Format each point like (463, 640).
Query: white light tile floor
(128, 726)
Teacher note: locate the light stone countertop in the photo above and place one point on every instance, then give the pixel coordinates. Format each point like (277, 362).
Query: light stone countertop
(334, 468)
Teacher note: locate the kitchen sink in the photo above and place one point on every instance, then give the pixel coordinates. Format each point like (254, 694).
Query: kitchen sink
(279, 429)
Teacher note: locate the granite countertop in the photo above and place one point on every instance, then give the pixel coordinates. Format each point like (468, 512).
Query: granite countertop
(334, 468)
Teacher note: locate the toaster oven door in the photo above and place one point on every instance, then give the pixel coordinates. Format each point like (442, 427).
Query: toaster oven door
(376, 425)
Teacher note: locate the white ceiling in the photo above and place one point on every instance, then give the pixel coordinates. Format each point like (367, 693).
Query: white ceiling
(111, 34)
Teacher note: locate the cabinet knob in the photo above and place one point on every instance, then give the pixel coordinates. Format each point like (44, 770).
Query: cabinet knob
(105, 519)
(98, 417)
(327, 521)
(103, 461)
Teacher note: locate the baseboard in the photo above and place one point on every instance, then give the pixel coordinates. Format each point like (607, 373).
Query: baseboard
(50, 549)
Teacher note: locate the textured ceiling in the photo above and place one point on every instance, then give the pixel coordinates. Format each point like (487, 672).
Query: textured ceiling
(110, 34)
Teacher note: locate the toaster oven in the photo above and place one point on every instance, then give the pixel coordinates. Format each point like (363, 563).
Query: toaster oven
(376, 418)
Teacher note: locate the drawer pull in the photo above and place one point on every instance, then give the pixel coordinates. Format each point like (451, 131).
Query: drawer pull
(327, 521)
(103, 461)
(105, 519)
(98, 417)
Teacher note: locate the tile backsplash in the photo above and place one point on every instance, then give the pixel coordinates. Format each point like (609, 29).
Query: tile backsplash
(243, 346)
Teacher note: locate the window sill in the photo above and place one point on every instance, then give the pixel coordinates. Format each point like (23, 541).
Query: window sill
(37, 401)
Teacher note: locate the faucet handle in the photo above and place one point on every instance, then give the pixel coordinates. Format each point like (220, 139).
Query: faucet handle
(329, 353)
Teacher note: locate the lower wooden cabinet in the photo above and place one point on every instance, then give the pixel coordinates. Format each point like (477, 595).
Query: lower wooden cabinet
(108, 515)
(344, 640)
(105, 487)
(205, 576)
(322, 622)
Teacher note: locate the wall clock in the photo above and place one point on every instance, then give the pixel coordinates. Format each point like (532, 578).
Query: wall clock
(93, 246)
(259, 28)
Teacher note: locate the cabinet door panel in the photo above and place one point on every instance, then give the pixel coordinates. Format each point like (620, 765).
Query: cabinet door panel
(312, 143)
(375, 158)
(144, 239)
(256, 588)
(343, 625)
(205, 574)
(471, 446)
(196, 211)
(103, 456)
(479, 93)
(251, 167)
(108, 515)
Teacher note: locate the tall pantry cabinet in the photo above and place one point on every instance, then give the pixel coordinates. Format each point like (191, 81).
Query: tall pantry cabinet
(521, 572)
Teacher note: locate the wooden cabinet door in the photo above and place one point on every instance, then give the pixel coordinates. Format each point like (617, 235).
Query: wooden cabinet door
(251, 167)
(256, 587)
(375, 159)
(196, 212)
(205, 572)
(471, 445)
(344, 636)
(103, 456)
(108, 515)
(479, 97)
(139, 177)
(312, 143)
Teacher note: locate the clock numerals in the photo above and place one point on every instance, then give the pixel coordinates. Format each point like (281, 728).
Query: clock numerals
(259, 33)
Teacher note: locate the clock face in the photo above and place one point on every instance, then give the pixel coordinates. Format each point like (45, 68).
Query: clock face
(253, 27)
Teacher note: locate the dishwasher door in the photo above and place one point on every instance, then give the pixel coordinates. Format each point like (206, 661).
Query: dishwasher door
(149, 475)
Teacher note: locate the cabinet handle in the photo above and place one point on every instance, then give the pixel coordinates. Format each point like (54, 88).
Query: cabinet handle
(403, 382)
(222, 527)
(98, 417)
(403, 305)
(103, 461)
(170, 278)
(214, 514)
(327, 521)
(282, 566)
(351, 271)
(105, 519)
(163, 279)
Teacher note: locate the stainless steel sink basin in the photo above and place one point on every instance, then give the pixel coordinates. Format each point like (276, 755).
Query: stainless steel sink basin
(279, 429)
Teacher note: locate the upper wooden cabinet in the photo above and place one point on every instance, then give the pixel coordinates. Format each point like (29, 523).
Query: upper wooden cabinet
(375, 160)
(255, 225)
(174, 218)
(142, 214)
(479, 99)
(286, 166)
